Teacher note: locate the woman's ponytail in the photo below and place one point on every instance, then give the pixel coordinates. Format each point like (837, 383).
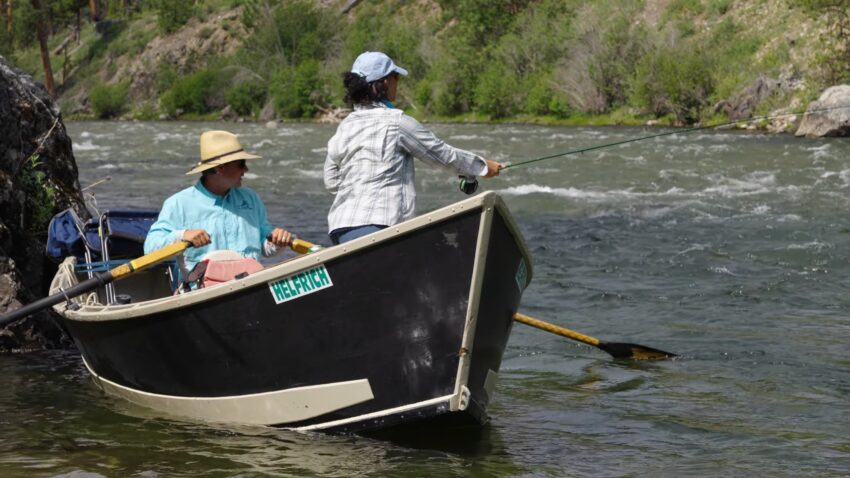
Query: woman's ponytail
(359, 91)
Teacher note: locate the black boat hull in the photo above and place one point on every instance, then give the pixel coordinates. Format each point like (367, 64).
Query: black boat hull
(404, 325)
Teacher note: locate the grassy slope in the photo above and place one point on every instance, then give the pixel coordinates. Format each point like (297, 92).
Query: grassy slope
(747, 39)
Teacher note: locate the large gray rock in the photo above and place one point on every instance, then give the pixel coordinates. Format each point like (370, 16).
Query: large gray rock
(38, 178)
(829, 115)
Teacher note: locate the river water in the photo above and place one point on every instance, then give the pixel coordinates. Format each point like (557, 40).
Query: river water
(730, 249)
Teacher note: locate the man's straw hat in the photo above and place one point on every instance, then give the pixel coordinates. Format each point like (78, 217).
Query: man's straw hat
(217, 148)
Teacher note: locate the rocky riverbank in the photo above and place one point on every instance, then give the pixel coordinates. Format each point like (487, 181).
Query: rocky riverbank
(38, 178)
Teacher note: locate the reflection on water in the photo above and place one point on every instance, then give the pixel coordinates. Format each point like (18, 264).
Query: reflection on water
(729, 249)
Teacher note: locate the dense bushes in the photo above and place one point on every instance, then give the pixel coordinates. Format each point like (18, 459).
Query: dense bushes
(295, 91)
(108, 101)
(171, 15)
(674, 80)
(481, 58)
(247, 98)
(191, 94)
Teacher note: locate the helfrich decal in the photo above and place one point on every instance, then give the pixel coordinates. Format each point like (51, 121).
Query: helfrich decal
(298, 285)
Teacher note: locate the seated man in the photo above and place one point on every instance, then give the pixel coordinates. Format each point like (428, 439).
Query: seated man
(217, 212)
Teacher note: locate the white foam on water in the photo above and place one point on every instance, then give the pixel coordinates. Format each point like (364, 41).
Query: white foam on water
(250, 175)
(560, 136)
(465, 137)
(263, 143)
(164, 136)
(88, 146)
(719, 148)
(672, 173)
(816, 246)
(655, 212)
(822, 147)
(758, 182)
(721, 270)
(310, 173)
(319, 150)
(574, 193)
(287, 132)
(107, 166)
(761, 210)
(693, 248)
(845, 176)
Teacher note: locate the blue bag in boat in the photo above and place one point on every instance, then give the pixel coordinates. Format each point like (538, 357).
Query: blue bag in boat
(63, 236)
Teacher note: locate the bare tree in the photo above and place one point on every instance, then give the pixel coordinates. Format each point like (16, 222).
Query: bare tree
(41, 33)
(9, 16)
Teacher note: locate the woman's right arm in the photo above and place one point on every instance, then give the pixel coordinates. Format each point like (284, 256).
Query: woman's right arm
(423, 144)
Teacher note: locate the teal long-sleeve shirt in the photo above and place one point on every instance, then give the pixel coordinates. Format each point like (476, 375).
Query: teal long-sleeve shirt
(236, 221)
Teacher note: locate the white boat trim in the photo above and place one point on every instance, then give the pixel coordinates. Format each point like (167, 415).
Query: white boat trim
(478, 270)
(267, 408)
(378, 414)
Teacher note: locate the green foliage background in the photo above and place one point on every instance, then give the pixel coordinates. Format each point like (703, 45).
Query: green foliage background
(534, 60)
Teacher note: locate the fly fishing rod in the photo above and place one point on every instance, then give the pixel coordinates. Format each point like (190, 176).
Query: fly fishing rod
(669, 133)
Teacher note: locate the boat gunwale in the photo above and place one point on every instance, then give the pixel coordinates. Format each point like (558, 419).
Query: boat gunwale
(99, 312)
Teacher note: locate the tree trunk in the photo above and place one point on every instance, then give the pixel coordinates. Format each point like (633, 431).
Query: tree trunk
(9, 16)
(94, 13)
(45, 53)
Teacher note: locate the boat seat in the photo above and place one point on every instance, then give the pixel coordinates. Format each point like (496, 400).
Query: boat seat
(220, 266)
(223, 255)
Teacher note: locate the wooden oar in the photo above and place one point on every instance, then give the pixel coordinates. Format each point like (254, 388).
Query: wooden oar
(303, 247)
(99, 280)
(616, 349)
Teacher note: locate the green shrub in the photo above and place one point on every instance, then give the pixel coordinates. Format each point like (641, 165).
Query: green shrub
(496, 91)
(246, 98)
(541, 99)
(166, 75)
(40, 193)
(190, 94)
(108, 101)
(422, 95)
(720, 7)
(677, 80)
(295, 92)
(292, 32)
(172, 15)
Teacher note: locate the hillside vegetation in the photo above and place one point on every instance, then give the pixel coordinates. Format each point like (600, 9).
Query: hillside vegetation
(561, 61)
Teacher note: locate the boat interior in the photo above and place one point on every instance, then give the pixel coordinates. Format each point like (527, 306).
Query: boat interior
(115, 238)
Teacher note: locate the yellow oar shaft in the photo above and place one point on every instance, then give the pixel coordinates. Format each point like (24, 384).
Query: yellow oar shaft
(148, 260)
(303, 247)
(570, 334)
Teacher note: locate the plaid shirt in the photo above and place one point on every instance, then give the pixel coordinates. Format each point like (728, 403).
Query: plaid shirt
(370, 166)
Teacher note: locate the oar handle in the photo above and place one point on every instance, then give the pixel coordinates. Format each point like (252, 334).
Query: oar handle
(570, 334)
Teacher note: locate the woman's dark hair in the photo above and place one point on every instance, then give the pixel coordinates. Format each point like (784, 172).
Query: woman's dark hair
(358, 91)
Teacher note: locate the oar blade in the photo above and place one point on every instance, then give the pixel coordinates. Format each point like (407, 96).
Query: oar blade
(623, 350)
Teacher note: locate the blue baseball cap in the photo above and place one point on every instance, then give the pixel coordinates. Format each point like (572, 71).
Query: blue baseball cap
(374, 65)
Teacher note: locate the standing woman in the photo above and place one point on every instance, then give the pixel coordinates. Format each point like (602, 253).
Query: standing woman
(369, 166)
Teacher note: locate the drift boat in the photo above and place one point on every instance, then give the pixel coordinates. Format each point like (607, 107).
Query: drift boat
(404, 326)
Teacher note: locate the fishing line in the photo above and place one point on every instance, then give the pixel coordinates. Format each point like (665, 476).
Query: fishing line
(668, 133)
